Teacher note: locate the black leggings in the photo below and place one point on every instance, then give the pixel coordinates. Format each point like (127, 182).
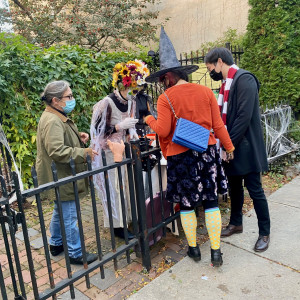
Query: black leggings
(206, 205)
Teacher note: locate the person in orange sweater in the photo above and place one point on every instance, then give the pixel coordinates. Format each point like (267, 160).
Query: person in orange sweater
(192, 176)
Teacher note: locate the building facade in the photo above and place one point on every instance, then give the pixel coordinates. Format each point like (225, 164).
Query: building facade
(194, 22)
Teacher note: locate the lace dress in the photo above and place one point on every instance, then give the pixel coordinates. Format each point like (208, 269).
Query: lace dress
(106, 114)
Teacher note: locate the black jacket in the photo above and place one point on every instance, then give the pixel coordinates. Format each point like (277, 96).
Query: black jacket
(244, 126)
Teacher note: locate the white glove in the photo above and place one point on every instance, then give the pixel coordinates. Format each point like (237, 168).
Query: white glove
(127, 123)
(132, 134)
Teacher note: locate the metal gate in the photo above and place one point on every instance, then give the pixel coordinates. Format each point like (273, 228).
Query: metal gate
(14, 220)
(9, 220)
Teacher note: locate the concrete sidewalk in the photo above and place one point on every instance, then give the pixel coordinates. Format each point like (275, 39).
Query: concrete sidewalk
(274, 274)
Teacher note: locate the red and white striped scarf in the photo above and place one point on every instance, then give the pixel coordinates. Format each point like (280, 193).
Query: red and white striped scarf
(223, 97)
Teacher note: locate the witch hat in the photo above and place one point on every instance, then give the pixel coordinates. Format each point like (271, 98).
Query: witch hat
(167, 59)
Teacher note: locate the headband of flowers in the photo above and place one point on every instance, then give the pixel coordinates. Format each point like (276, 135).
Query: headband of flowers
(130, 75)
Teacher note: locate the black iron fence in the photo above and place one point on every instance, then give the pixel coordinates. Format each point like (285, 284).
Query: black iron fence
(201, 76)
(146, 221)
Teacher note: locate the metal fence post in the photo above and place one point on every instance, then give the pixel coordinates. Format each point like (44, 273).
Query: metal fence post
(140, 201)
(26, 236)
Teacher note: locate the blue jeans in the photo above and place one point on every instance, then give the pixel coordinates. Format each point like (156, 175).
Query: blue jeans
(71, 228)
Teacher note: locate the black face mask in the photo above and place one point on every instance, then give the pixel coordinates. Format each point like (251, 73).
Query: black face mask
(215, 76)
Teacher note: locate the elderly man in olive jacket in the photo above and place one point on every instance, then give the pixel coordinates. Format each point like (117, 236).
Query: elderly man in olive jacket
(58, 140)
(239, 104)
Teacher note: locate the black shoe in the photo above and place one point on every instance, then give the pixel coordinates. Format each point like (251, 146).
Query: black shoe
(194, 253)
(55, 250)
(262, 243)
(231, 229)
(216, 257)
(119, 232)
(90, 257)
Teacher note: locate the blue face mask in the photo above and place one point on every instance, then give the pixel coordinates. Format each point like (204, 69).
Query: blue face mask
(70, 105)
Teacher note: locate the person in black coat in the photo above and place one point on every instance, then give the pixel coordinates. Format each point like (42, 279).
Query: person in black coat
(242, 117)
(144, 106)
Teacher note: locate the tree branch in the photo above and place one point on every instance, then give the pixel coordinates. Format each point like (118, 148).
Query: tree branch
(92, 45)
(17, 2)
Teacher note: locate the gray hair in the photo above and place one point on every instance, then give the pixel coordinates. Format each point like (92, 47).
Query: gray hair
(54, 89)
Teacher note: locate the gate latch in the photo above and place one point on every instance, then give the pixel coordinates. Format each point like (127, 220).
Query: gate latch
(13, 219)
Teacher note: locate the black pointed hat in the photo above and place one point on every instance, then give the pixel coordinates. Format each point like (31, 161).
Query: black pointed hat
(167, 59)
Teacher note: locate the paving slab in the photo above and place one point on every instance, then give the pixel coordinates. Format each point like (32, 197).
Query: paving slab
(285, 227)
(289, 194)
(37, 243)
(78, 296)
(285, 235)
(273, 274)
(109, 280)
(243, 275)
(31, 232)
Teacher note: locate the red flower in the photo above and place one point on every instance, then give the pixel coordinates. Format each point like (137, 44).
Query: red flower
(126, 81)
(132, 67)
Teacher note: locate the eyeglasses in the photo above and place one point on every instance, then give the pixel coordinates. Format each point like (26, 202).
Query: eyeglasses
(69, 96)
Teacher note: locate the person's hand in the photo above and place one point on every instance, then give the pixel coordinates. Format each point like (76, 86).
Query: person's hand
(117, 149)
(126, 124)
(84, 137)
(229, 156)
(132, 134)
(223, 155)
(145, 118)
(94, 153)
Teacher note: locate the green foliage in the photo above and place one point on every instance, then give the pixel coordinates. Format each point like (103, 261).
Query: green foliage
(271, 48)
(96, 24)
(294, 131)
(25, 71)
(230, 36)
(278, 167)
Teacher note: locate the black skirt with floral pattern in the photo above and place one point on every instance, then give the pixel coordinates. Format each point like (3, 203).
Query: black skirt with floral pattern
(194, 176)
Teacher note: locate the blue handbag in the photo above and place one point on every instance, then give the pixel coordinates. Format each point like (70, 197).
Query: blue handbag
(189, 134)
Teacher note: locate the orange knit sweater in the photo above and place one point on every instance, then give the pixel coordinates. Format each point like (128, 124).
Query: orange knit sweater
(191, 101)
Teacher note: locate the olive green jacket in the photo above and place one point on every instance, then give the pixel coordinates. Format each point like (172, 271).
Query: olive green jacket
(58, 140)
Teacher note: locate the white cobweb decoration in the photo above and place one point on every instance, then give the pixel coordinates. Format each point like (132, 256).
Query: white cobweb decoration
(4, 142)
(276, 124)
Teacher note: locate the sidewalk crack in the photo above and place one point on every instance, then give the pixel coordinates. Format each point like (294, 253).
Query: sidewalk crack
(269, 259)
(284, 204)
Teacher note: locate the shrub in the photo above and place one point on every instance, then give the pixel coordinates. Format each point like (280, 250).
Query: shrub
(271, 51)
(26, 69)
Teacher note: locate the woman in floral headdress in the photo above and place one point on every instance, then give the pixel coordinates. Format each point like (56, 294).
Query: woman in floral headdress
(112, 124)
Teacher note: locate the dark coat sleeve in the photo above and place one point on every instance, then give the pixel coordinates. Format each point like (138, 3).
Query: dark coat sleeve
(245, 105)
(244, 126)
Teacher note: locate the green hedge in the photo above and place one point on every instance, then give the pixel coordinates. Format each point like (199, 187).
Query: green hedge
(271, 48)
(24, 72)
